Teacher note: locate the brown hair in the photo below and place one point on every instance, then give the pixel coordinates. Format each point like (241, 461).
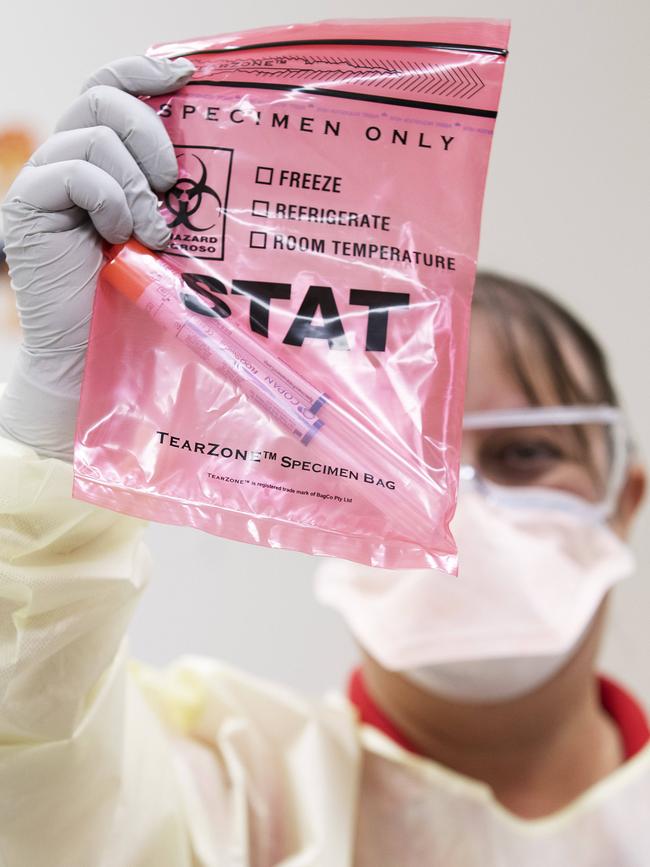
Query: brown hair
(516, 307)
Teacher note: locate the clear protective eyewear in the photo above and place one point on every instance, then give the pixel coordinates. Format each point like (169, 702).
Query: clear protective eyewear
(570, 457)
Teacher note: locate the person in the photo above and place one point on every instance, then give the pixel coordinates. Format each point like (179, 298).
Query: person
(475, 732)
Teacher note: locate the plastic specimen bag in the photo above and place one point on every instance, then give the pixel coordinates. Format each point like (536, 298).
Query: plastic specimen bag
(290, 372)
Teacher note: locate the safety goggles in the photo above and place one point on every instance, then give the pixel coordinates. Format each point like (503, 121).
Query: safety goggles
(570, 457)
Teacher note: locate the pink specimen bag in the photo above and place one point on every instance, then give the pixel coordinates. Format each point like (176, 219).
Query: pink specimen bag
(290, 371)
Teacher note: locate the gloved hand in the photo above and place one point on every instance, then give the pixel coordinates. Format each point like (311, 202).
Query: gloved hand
(93, 177)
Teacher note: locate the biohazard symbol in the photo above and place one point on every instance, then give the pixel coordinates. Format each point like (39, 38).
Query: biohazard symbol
(186, 197)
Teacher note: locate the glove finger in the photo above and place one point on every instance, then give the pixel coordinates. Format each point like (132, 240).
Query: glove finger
(140, 75)
(41, 197)
(102, 147)
(139, 127)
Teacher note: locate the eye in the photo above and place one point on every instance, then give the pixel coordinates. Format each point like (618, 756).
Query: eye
(531, 451)
(520, 458)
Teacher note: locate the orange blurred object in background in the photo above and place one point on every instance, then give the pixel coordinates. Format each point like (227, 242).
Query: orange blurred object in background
(16, 145)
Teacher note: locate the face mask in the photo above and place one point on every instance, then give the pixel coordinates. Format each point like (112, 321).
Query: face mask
(486, 681)
(535, 565)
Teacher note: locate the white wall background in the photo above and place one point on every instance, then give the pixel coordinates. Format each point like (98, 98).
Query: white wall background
(566, 206)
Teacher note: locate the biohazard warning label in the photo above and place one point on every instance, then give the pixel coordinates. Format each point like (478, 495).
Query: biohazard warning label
(197, 204)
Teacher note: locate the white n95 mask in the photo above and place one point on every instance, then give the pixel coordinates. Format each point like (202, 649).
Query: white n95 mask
(534, 565)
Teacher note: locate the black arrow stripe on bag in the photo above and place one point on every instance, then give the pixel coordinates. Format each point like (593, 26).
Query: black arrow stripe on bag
(395, 77)
(480, 84)
(415, 77)
(448, 81)
(457, 81)
(460, 82)
(399, 81)
(451, 81)
(422, 77)
(430, 80)
(469, 83)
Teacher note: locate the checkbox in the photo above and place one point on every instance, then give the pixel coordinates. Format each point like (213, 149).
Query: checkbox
(258, 240)
(260, 208)
(264, 175)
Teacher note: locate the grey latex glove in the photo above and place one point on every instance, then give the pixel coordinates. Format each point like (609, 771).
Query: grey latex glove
(92, 179)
